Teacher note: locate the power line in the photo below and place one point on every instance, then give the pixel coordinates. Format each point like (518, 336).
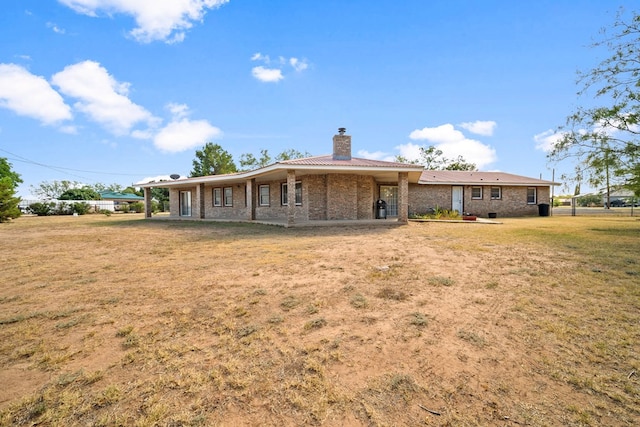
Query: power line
(62, 169)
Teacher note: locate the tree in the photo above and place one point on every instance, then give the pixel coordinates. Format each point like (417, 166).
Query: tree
(101, 188)
(132, 190)
(7, 172)
(212, 160)
(248, 161)
(603, 140)
(433, 159)
(84, 193)
(291, 154)
(9, 181)
(52, 190)
(8, 201)
(161, 196)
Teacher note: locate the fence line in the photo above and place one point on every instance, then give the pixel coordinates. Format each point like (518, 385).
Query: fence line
(96, 205)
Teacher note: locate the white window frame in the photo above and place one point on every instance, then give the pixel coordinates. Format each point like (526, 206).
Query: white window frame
(264, 197)
(284, 195)
(499, 196)
(228, 196)
(535, 195)
(217, 196)
(476, 197)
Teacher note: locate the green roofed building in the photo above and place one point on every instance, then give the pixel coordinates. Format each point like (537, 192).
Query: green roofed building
(121, 199)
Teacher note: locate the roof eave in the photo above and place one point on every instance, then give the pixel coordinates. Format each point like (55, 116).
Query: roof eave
(414, 171)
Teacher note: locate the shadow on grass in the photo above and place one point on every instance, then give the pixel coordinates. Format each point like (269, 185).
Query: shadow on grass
(244, 228)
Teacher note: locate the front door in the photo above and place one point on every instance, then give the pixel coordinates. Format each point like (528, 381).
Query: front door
(389, 193)
(456, 198)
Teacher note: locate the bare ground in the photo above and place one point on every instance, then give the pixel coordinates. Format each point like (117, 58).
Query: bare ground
(122, 321)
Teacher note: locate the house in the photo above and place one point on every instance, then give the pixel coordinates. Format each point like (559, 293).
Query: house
(618, 197)
(341, 187)
(481, 194)
(120, 199)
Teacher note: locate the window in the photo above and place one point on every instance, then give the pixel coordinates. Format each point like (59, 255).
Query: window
(185, 203)
(264, 195)
(496, 193)
(284, 195)
(476, 193)
(228, 196)
(217, 197)
(531, 196)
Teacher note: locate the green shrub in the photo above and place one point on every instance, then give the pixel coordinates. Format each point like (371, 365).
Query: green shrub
(81, 208)
(62, 208)
(437, 213)
(42, 208)
(124, 208)
(590, 200)
(137, 207)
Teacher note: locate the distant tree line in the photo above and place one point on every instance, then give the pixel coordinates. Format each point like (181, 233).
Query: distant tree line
(212, 159)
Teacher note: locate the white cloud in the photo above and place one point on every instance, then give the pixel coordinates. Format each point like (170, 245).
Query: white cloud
(28, 95)
(273, 70)
(479, 127)
(409, 151)
(545, 141)
(55, 28)
(298, 65)
(260, 57)
(439, 135)
(184, 134)
(165, 20)
(101, 97)
(178, 111)
(376, 155)
(269, 75)
(453, 143)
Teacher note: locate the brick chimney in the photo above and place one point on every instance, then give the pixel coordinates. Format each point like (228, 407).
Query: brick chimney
(341, 145)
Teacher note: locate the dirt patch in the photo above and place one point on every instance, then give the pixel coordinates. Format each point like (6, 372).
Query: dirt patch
(112, 321)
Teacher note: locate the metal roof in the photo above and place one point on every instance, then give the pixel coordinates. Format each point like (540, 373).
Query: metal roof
(382, 171)
(112, 195)
(439, 177)
(354, 161)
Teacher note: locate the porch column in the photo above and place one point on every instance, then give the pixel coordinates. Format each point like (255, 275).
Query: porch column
(147, 202)
(291, 196)
(200, 196)
(403, 197)
(251, 206)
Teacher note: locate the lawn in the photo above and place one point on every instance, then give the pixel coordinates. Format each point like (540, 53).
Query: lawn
(123, 321)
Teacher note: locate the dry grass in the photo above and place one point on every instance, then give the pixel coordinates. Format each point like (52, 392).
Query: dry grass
(116, 320)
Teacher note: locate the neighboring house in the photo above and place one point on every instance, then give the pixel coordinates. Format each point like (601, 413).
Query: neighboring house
(618, 197)
(341, 187)
(120, 199)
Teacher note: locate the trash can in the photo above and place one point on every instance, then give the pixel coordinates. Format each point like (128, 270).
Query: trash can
(381, 209)
(543, 209)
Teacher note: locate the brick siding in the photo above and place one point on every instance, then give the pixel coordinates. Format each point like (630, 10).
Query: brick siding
(513, 202)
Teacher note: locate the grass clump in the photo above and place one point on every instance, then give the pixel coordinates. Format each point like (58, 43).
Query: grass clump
(359, 301)
(471, 337)
(392, 294)
(441, 281)
(289, 303)
(418, 319)
(315, 323)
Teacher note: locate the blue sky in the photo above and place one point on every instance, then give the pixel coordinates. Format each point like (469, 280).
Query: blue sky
(116, 91)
